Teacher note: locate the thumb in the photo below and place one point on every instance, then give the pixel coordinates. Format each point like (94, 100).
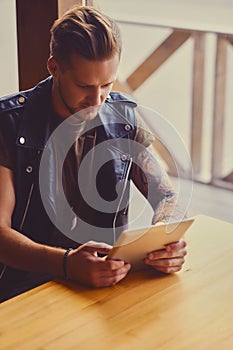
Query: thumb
(98, 247)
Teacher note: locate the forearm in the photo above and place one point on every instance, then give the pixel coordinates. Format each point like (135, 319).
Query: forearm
(20, 252)
(168, 209)
(153, 182)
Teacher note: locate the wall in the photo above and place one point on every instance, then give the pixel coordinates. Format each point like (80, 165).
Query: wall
(8, 44)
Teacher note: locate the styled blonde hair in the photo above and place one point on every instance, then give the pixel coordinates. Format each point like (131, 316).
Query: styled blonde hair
(84, 30)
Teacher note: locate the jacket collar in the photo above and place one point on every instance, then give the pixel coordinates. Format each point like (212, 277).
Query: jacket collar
(35, 127)
(34, 130)
(114, 118)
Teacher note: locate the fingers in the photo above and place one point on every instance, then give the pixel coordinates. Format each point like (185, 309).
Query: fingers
(172, 250)
(94, 247)
(169, 269)
(98, 245)
(114, 270)
(110, 278)
(105, 277)
(95, 271)
(114, 264)
(170, 259)
(164, 254)
(176, 246)
(166, 265)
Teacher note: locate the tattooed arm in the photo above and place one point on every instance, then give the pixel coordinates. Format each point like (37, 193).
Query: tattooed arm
(153, 182)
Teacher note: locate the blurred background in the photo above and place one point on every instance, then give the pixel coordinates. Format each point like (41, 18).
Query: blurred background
(177, 60)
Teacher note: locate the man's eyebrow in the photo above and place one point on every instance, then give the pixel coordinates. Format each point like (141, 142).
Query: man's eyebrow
(92, 85)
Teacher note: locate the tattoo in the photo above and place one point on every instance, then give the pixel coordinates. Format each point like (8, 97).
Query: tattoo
(153, 182)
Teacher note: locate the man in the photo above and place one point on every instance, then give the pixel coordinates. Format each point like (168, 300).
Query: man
(85, 54)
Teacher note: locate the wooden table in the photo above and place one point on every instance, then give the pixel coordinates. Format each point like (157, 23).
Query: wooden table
(192, 309)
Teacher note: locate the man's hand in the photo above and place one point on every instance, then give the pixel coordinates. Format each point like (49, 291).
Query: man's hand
(168, 260)
(84, 265)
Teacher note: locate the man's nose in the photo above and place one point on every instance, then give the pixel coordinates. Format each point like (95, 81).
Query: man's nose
(95, 97)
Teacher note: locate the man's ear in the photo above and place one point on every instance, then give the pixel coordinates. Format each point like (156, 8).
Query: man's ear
(52, 66)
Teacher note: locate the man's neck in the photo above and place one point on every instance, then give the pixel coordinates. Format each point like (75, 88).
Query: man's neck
(58, 105)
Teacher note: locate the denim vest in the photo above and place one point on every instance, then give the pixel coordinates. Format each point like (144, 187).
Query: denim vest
(24, 118)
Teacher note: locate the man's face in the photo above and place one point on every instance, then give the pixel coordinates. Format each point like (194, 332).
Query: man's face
(83, 84)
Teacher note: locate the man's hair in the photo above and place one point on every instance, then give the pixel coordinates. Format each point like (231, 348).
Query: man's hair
(85, 31)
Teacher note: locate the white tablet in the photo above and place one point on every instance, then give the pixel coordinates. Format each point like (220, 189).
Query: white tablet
(133, 245)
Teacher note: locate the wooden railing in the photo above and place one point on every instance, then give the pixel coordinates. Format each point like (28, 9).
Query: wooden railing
(219, 117)
(155, 61)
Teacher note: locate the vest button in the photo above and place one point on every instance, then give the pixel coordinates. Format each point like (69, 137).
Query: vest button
(21, 99)
(123, 157)
(127, 127)
(22, 140)
(29, 169)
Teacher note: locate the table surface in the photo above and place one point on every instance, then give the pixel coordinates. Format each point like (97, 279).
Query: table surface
(192, 309)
